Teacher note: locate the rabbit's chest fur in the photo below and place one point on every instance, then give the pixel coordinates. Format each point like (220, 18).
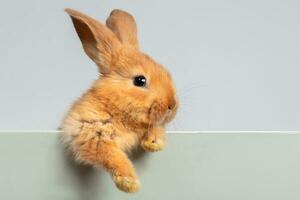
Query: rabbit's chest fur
(88, 121)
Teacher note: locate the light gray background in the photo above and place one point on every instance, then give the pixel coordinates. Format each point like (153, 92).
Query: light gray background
(236, 63)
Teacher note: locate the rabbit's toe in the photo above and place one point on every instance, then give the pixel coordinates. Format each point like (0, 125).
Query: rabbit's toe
(127, 184)
(152, 145)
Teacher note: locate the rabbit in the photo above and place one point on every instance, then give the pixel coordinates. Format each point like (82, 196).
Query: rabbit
(129, 105)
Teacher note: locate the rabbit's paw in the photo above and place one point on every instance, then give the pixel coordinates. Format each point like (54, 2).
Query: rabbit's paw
(127, 184)
(152, 145)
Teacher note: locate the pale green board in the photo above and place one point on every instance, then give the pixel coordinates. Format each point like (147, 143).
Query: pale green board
(205, 166)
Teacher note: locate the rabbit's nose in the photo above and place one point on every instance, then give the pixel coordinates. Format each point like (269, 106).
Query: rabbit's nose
(172, 104)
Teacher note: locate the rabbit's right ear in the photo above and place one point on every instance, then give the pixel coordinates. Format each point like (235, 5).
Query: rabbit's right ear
(99, 42)
(123, 25)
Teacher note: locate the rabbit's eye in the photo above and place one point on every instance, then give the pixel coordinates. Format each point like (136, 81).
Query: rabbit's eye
(140, 81)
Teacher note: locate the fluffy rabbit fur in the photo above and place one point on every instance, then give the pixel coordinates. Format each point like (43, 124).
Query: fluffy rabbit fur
(114, 115)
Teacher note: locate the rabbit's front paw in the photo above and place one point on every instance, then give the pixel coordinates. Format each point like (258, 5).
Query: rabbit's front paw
(127, 184)
(152, 145)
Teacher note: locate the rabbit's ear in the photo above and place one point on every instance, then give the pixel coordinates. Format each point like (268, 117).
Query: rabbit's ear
(97, 40)
(124, 26)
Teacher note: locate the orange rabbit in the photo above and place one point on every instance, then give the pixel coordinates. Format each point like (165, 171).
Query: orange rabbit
(127, 106)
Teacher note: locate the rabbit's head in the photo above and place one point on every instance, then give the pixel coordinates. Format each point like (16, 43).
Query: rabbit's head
(131, 83)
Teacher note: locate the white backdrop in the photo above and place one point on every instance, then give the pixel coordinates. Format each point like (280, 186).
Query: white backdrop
(236, 63)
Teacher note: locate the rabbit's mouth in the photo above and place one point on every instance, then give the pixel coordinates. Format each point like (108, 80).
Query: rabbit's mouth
(159, 114)
(170, 114)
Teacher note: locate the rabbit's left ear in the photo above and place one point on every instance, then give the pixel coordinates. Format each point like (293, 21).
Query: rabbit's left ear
(124, 26)
(98, 41)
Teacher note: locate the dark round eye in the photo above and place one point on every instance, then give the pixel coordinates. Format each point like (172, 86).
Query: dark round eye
(140, 81)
